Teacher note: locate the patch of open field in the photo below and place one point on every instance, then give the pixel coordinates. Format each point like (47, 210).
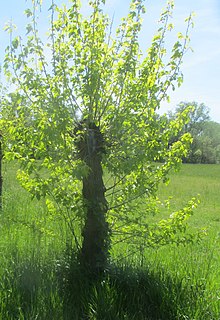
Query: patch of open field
(168, 283)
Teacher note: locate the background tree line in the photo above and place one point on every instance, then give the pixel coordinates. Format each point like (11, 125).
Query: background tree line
(205, 147)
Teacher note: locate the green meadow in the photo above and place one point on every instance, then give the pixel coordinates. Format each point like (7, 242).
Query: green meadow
(40, 278)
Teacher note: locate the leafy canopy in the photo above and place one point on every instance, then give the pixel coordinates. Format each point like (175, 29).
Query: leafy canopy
(88, 70)
(205, 133)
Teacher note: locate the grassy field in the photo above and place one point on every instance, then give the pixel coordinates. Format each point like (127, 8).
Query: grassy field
(40, 278)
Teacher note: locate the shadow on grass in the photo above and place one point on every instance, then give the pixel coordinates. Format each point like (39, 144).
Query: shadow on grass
(59, 291)
(129, 293)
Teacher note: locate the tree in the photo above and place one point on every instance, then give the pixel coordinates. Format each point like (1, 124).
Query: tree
(198, 117)
(208, 142)
(94, 109)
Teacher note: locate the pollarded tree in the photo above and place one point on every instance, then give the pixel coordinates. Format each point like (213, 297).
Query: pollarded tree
(93, 99)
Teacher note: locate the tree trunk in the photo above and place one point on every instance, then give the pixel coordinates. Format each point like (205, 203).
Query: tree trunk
(95, 245)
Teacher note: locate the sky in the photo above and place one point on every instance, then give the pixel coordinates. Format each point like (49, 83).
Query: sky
(201, 68)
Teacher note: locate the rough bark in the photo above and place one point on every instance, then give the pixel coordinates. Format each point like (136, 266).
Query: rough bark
(95, 245)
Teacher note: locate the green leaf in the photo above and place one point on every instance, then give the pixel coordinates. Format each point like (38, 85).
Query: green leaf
(28, 13)
(15, 43)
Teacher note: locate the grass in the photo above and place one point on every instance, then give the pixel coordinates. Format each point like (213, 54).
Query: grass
(194, 180)
(40, 278)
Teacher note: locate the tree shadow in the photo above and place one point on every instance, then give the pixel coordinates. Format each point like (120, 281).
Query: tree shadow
(127, 293)
(63, 291)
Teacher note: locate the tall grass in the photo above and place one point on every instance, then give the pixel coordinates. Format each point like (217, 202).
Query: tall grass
(40, 277)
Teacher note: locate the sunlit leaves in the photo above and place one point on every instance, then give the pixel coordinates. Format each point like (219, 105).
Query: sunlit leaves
(9, 27)
(86, 71)
(28, 13)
